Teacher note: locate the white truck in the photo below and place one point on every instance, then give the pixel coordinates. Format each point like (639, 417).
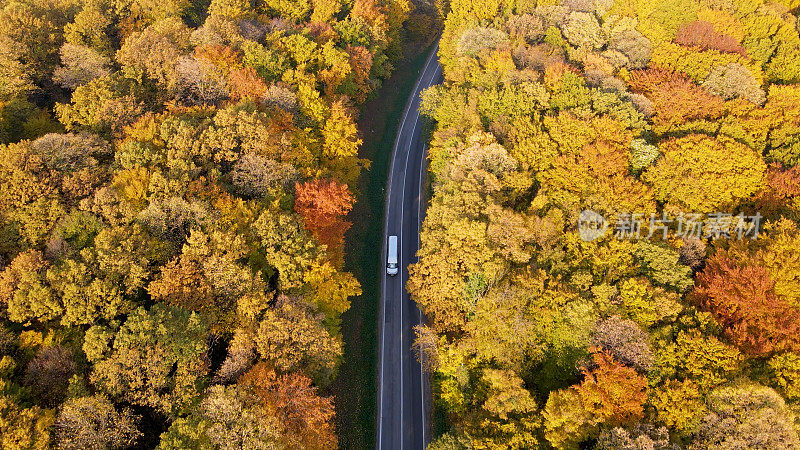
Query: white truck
(391, 256)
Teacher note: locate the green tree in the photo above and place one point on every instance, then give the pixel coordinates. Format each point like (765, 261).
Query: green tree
(157, 359)
(662, 265)
(104, 105)
(188, 433)
(85, 298)
(702, 359)
(289, 247)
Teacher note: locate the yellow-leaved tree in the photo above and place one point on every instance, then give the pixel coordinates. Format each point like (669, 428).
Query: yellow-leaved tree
(702, 174)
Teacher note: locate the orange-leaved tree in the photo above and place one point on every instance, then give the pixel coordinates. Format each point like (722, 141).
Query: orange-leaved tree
(306, 416)
(702, 35)
(742, 298)
(610, 394)
(323, 205)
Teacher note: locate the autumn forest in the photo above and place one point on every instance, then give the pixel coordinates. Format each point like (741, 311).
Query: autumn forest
(177, 181)
(679, 123)
(174, 183)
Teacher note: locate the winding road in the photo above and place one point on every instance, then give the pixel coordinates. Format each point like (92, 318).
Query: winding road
(404, 393)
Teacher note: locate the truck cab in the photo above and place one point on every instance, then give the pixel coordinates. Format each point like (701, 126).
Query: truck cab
(391, 256)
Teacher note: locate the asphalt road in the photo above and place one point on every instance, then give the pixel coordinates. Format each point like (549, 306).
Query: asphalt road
(403, 390)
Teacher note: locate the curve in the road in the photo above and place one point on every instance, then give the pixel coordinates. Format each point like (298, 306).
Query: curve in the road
(403, 406)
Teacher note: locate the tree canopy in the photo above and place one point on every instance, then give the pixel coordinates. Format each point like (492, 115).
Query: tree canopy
(613, 223)
(175, 181)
